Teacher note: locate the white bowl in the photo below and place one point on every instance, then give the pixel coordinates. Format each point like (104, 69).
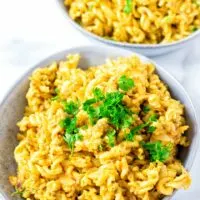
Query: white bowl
(145, 49)
(12, 108)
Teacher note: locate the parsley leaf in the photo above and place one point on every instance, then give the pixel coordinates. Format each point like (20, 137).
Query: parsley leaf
(69, 125)
(70, 139)
(146, 109)
(88, 103)
(157, 151)
(100, 147)
(125, 83)
(71, 131)
(128, 7)
(56, 97)
(113, 109)
(109, 106)
(194, 29)
(111, 138)
(127, 120)
(151, 129)
(133, 132)
(113, 98)
(98, 94)
(70, 107)
(84, 127)
(56, 91)
(153, 118)
(18, 192)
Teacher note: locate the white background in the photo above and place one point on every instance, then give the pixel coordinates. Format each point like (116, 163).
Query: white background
(30, 30)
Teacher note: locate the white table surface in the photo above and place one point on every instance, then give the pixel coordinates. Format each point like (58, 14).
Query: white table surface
(30, 30)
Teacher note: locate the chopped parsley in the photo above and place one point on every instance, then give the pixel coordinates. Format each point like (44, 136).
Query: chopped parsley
(88, 103)
(70, 139)
(116, 112)
(84, 127)
(56, 91)
(125, 83)
(157, 151)
(100, 147)
(70, 107)
(110, 107)
(98, 94)
(194, 29)
(133, 132)
(111, 138)
(128, 7)
(168, 19)
(146, 109)
(71, 131)
(18, 192)
(56, 97)
(69, 124)
(137, 129)
(91, 110)
(151, 129)
(153, 118)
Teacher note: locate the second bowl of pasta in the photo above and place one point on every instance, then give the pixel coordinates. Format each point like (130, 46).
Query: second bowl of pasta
(148, 27)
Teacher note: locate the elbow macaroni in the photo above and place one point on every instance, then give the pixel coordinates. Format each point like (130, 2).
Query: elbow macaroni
(48, 171)
(150, 22)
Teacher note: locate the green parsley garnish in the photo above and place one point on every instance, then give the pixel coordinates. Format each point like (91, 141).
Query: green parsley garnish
(157, 151)
(88, 103)
(110, 107)
(18, 192)
(100, 147)
(151, 129)
(56, 91)
(153, 118)
(98, 94)
(91, 110)
(146, 109)
(70, 107)
(133, 132)
(128, 7)
(168, 19)
(125, 83)
(70, 139)
(194, 29)
(113, 109)
(111, 138)
(69, 124)
(71, 131)
(56, 97)
(84, 127)
(137, 129)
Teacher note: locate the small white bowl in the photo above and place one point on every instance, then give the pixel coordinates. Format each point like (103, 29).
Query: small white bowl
(145, 49)
(12, 108)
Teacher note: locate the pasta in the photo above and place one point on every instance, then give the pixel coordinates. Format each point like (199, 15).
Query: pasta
(67, 150)
(139, 21)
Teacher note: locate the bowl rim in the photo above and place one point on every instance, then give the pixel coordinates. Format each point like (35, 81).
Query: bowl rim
(49, 59)
(182, 41)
